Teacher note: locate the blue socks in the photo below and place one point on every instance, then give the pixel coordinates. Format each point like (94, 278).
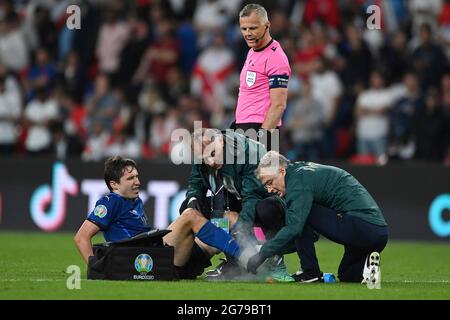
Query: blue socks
(218, 238)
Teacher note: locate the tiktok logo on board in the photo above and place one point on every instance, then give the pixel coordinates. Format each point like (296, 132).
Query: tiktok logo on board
(54, 198)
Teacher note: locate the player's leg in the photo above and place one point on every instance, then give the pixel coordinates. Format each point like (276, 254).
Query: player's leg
(192, 223)
(229, 267)
(181, 237)
(197, 262)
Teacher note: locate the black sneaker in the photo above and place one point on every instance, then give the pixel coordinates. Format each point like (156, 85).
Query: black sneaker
(308, 277)
(225, 270)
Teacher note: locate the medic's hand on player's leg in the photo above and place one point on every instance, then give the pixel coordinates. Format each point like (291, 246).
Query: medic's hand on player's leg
(254, 262)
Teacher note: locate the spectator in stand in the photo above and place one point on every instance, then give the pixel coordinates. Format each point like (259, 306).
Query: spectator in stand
(96, 143)
(430, 130)
(123, 144)
(46, 27)
(209, 16)
(39, 115)
(13, 47)
(355, 62)
(161, 130)
(132, 53)
(305, 123)
(188, 46)
(150, 103)
(112, 38)
(72, 114)
(279, 24)
(212, 76)
(445, 90)
(424, 11)
(444, 27)
(305, 60)
(178, 86)
(372, 122)
(161, 56)
(42, 71)
(327, 90)
(402, 117)
(394, 56)
(190, 111)
(64, 145)
(70, 76)
(10, 112)
(325, 10)
(103, 106)
(428, 59)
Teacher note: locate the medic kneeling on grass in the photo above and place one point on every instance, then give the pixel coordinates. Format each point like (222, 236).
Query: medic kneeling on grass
(329, 201)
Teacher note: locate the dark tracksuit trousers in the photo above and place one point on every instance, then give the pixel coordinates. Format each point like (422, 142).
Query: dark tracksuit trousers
(358, 237)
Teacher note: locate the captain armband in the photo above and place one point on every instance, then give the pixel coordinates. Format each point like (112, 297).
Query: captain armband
(278, 81)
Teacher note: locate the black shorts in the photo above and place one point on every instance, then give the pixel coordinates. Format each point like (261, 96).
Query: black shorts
(196, 264)
(267, 141)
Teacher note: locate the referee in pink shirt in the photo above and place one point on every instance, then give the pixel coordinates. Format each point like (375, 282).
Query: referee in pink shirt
(264, 77)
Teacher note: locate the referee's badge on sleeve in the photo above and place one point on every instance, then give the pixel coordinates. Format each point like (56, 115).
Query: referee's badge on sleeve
(250, 78)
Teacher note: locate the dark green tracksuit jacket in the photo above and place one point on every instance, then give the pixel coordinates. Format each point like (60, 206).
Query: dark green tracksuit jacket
(239, 176)
(334, 188)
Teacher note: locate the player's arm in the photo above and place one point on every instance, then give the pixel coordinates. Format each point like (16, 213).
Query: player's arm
(299, 205)
(83, 239)
(251, 193)
(196, 187)
(278, 102)
(196, 191)
(252, 190)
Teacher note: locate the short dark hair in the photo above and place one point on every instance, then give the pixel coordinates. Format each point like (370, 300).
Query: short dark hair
(115, 167)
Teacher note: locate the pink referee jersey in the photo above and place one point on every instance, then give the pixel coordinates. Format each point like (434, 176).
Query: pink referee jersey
(263, 70)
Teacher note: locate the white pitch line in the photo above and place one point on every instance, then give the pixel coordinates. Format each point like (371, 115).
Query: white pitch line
(32, 280)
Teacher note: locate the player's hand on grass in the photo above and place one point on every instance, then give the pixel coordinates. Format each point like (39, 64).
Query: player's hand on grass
(254, 262)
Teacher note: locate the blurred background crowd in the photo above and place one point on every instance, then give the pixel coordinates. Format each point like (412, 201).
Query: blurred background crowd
(138, 69)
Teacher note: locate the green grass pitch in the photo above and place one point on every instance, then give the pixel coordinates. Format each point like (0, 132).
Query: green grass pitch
(33, 266)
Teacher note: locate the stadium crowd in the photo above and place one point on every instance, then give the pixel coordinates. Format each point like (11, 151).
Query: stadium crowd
(137, 70)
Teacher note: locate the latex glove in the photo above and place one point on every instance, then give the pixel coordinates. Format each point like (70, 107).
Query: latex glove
(254, 262)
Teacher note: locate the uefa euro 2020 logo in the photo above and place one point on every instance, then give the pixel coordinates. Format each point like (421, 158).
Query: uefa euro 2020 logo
(143, 263)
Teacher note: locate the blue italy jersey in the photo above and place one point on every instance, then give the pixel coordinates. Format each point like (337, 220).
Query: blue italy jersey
(119, 218)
